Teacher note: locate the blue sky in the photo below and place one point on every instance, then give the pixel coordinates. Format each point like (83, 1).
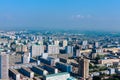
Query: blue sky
(60, 14)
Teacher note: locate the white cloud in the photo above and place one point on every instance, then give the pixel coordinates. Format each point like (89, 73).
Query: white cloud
(79, 16)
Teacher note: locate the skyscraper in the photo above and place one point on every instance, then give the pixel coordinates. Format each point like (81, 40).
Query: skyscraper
(83, 68)
(4, 65)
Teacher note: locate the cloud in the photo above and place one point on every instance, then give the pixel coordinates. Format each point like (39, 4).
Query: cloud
(79, 16)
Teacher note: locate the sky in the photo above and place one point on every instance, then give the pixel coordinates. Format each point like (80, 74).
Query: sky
(96, 15)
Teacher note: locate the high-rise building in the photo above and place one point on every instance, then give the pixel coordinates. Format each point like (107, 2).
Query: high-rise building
(26, 58)
(96, 44)
(69, 49)
(40, 42)
(84, 68)
(64, 43)
(53, 49)
(24, 48)
(4, 66)
(99, 50)
(85, 42)
(78, 54)
(37, 50)
(18, 48)
(56, 42)
(39, 38)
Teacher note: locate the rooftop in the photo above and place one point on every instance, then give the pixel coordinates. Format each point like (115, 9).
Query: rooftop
(58, 74)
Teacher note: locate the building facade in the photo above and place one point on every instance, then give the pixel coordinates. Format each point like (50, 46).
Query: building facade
(4, 65)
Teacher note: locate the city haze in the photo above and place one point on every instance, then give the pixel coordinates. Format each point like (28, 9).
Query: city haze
(93, 15)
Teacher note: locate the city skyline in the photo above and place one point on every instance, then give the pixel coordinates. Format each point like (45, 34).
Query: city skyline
(94, 15)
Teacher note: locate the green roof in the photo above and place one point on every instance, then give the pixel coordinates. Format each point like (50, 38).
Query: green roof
(58, 74)
(71, 78)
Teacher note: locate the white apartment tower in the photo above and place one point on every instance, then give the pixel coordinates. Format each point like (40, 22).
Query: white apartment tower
(37, 50)
(53, 49)
(4, 66)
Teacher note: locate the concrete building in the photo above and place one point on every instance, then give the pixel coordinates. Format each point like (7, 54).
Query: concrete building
(58, 76)
(111, 71)
(15, 58)
(56, 42)
(96, 44)
(40, 42)
(64, 43)
(39, 70)
(45, 55)
(64, 67)
(108, 61)
(27, 72)
(37, 50)
(26, 58)
(84, 68)
(50, 61)
(85, 42)
(14, 74)
(18, 48)
(69, 49)
(24, 48)
(4, 65)
(78, 54)
(50, 69)
(99, 50)
(117, 70)
(53, 49)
